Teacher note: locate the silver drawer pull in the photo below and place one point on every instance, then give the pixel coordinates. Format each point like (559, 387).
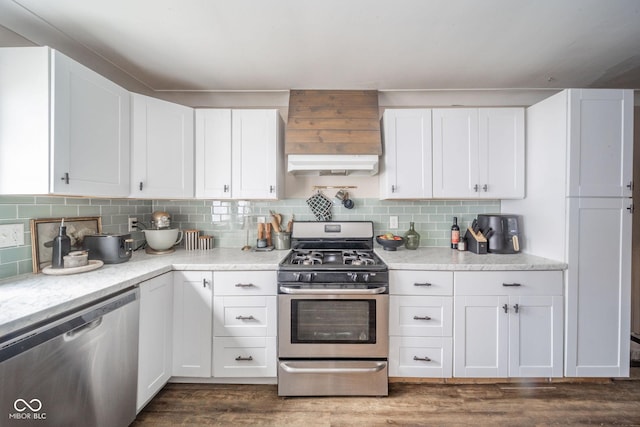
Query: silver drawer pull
(244, 359)
(244, 285)
(512, 284)
(245, 318)
(422, 359)
(421, 318)
(422, 284)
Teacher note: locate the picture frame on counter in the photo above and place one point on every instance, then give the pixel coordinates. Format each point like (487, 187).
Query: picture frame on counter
(43, 230)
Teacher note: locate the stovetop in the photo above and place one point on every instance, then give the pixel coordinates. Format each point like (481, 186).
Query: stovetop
(321, 259)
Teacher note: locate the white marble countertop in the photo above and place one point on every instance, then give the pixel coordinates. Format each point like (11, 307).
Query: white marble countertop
(454, 260)
(32, 298)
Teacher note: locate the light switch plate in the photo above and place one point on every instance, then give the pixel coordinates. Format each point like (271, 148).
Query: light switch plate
(11, 235)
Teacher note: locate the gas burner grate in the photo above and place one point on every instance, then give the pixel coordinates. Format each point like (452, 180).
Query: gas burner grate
(307, 258)
(357, 258)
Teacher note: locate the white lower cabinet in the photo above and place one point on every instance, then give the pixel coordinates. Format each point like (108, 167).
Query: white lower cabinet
(244, 357)
(245, 324)
(192, 323)
(420, 323)
(156, 337)
(508, 324)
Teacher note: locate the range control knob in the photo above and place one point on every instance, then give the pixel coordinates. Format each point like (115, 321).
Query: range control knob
(353, 277)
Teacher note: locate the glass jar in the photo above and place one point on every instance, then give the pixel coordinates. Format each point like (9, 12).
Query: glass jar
(411, 238)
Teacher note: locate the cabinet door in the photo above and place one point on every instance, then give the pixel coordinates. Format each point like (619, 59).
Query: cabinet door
(420, 316)
(481, 336)
(163, 147)
(213, 153)
(535, 336)
(600, 142)
(420, 357)
(243, 316)
(501, 151)
(407, 158)
(24, 76)
(90, 132)
(192, 323)
(238, 357)
(256, 152)
(598, 287)
(156, 332)
(455, 153)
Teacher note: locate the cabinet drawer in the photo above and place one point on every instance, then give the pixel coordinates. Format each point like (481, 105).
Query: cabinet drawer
(420, 357)
(508, 283)
(244, 316)
(245, 283)
(244, 357)
(416, 282)
(420, 316)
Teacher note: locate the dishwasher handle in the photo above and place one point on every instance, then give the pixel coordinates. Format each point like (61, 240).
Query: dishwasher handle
(81, 330)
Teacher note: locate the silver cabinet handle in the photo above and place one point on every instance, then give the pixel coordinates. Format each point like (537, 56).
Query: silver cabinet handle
(272, 189)
(422, 284)
(505, 308)
(140, 185)
(422, 359)
(421, 318)
(512, 284)
(476, 188)
(485, 188)
(65, 178)
(244, 285)
(245, 318)
(630, 185)
(516, 308)
(393, 188)
(630, 208)
(246, 359)
(205, 282)
(225, 188)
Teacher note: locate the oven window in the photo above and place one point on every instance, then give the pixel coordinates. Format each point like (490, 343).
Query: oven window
(333, 321)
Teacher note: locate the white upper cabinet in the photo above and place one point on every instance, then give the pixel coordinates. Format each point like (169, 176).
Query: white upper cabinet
(66, 127)
(239, 154)
(407, 161)
(600, 143)
(213, 153)
(162, 138)
(478, 153)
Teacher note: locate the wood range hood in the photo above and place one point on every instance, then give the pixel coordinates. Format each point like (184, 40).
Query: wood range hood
(333, 132)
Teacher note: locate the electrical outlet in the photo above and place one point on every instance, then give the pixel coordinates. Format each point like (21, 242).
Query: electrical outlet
(133, 224)
(262, 219)
(393, 222)
(11, 235)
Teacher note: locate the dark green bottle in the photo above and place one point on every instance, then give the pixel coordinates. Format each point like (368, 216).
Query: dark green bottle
(411, 238)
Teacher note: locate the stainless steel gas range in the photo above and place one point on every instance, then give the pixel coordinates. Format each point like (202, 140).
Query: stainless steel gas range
(333, 307)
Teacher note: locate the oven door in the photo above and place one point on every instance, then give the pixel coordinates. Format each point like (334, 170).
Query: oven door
(333, 326)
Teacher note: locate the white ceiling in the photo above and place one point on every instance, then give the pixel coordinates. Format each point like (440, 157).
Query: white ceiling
(264, 45)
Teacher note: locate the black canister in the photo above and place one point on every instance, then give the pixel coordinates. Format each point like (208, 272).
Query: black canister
(61, 247)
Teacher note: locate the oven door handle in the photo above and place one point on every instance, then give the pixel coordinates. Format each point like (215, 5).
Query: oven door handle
(297, 291)
(376, 368)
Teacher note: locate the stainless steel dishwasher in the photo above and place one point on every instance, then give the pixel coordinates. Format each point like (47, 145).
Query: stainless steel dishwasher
(78, 370)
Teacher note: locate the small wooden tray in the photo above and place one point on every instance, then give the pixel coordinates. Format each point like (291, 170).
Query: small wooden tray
(93, 264)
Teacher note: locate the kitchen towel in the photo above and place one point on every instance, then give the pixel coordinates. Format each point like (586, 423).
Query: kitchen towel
(320, 206)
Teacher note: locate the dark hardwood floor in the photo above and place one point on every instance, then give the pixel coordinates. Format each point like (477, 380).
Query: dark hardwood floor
(416, 404)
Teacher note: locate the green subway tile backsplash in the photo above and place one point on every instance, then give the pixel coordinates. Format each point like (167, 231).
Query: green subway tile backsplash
(231, 223)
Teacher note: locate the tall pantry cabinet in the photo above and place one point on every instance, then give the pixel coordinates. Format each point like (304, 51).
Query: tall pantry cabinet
(578, 209)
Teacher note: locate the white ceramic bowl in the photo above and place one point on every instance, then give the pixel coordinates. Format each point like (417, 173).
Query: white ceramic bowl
(161, 240)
